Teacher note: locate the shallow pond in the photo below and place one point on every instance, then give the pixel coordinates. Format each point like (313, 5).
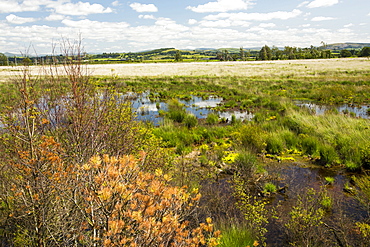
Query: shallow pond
(361, 111)
(147, 110)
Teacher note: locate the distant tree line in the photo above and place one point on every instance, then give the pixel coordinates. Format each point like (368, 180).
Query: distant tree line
(312, 52)
(265, 53)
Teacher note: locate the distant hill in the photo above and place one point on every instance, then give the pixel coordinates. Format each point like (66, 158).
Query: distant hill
(348, 46)
(11, 54)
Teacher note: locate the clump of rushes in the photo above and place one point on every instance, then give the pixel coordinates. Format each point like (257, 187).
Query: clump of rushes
(269, 188)
(190, 120)
(212, 119)
(329, 180)
(236, 236)
(176, 110)
(326, 201)
(328, 156)
(275, 144)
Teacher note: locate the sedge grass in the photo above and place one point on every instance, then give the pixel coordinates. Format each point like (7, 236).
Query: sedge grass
(236, 236)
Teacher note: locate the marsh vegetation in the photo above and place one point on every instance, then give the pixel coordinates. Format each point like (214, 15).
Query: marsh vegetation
(78, 168)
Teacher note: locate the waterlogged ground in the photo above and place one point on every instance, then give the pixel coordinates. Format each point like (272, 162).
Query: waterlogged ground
(361, 111)
(296, 176)
(147, 110)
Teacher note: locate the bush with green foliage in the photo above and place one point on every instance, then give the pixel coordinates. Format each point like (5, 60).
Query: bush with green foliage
(252, 137)
(365, 52)
(345, 53)
(305, 225)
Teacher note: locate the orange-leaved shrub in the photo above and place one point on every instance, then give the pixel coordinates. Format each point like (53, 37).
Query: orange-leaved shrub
(126, 206)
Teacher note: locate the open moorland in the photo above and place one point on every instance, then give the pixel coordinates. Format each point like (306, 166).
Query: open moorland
(306, 67)
(257, 153)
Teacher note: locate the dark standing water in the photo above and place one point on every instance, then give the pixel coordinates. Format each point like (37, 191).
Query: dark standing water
(298, 177)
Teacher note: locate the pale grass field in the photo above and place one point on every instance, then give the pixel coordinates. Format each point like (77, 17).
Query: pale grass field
(283, 68)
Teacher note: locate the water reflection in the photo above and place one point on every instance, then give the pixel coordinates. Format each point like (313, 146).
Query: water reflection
(358, 110)
(147, 110)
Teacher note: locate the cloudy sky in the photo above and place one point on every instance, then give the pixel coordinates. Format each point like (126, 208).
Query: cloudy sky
(137, 25)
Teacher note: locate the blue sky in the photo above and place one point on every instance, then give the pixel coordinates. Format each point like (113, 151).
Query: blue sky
(137, 25)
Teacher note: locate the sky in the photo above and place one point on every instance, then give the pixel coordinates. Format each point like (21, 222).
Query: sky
(39, 26)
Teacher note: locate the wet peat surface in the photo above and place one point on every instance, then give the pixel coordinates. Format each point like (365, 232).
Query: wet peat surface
(296, 178)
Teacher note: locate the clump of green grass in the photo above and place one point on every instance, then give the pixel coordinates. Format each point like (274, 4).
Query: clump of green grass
(328, 155)
(176, 110)
(246, 163)
(236, 236)
(326, 202)
(212, 119)
(269, 188)
(329, 180)
(290, 138)
(274, 144)
(309, 144)
(190, 120)
(251, 137)
(352, 166)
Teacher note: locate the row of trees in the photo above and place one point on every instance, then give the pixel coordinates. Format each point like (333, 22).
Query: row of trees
(274, 53)
(266, 53)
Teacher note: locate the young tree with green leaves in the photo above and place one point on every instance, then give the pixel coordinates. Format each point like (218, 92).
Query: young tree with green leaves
(3, 60)
(178, 56)
(265, 53)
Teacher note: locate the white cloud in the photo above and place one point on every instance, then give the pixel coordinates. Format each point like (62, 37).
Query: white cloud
(79, 8)
(303, 4)
(169, 24)
(322, 18)
(345, 30)
(192, 21)
(55, 17)
(147, 17)
(267, 25)
(348, 25)
(322, 3)
(65, 7)
(138, 7)
(19, 20)
(224, 23)
(306, 25)
(222, 6)
(120, 36)
(8, 6)
(115, 3)
(88, 24)
(242, 16)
